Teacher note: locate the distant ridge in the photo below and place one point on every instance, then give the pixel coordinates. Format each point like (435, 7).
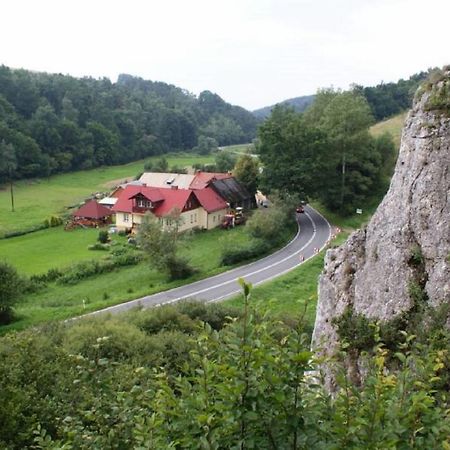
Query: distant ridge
(298, 103)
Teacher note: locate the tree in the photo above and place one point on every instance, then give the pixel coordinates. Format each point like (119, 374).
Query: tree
(246, 172)
(225, 161)
(206, 145)
(352, 168)
(292, 154)
(9, 292)
(159, 240)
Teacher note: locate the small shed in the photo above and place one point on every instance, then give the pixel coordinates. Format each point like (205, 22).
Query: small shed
(91, 214)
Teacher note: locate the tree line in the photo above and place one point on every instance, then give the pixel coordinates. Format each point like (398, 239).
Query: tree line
(387, 99)
(53, 123)
(326, 153)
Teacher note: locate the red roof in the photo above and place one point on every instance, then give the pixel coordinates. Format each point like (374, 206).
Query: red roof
(168, 199)
(210, 200)
(151, 193)
(92, 210)
(202, 179)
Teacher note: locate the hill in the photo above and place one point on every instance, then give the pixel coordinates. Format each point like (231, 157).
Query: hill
(385, 99)
(393, 126)
(53, 123)
(298, 103)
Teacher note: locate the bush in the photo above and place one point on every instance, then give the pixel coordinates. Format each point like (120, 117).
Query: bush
(99, 246)
(32, 229)
(86, 269)
(166, 318)
(217, 315)
(105, 338)
(49, 276)
(233, 255)
(55, 221)
(103, 237)
(179, 268)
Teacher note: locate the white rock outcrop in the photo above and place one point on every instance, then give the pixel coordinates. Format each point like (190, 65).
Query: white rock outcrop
(372, 272)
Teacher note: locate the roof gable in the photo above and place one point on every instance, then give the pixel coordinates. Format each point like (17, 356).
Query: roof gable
(210, 200)
(231, 190)
(165, 200)
(203, 179)
(92, 210)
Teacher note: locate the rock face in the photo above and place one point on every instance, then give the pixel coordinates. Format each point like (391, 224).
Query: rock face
(372, 272)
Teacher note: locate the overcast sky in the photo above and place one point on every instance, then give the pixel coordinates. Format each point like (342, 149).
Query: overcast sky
(252, 53)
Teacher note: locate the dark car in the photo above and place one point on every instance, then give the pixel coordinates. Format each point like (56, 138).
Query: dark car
(300, 209)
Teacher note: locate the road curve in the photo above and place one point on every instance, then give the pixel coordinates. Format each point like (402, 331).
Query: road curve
(313, 234)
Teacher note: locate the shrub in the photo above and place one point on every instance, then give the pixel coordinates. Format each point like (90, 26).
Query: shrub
(99, 246)
(217, 315)
(55, 221)
(103, 237)
(105, 338)
(233, 255)
(32, 229)
(166, 318)
(179, 268)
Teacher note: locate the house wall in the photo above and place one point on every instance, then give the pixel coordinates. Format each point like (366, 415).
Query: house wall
(190, 219)
(124, 220)
(211, 220)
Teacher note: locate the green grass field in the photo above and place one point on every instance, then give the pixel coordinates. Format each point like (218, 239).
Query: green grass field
(394, 126)
(36, 253)
(57, 302)
(36, 200)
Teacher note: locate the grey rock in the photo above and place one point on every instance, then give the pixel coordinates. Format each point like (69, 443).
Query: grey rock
(370, 272)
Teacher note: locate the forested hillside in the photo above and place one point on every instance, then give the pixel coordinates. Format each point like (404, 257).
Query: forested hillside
(51, 123)
(384, 99)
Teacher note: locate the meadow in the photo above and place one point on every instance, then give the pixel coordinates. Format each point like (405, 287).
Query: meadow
(59, 301)
(37, 199)
(393, 125)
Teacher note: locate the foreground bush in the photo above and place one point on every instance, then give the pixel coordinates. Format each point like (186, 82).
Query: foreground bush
(252, 384)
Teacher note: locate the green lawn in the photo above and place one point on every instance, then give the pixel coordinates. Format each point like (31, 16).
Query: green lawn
(36, 253)
(36, 200)
(239, 148)
(57, 302)
(394, 126)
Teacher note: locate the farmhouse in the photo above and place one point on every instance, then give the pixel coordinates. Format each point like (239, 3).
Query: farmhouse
(202, 209)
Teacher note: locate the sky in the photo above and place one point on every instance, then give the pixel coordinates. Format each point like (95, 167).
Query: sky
(252, 53)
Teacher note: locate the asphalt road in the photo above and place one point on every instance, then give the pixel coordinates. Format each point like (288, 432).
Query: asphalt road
(314, 233)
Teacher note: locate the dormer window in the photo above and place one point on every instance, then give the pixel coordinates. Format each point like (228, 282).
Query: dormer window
(144, 203)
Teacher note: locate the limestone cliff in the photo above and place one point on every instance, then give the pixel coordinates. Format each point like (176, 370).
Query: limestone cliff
(407, 242)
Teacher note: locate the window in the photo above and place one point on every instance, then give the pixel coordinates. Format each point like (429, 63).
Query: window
(143, 203)
(192, 218)
(214, 218)
(126, 217)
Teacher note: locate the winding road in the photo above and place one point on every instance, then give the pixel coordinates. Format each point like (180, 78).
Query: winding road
(313, 234)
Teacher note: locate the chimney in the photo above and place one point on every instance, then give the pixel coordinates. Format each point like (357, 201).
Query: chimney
(173, 187)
